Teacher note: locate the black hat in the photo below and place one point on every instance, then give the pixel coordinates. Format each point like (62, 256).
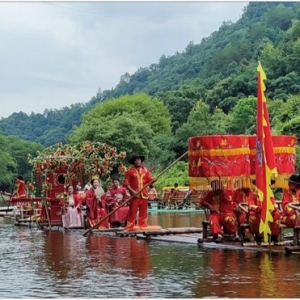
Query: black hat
(132, 159)
(295, 178)
(115, 177)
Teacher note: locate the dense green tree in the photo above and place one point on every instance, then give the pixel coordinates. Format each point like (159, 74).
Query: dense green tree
(292, 127)
(200, 122)
(177, 174)
(19, 150)
(130, 123)
(8, 165)
(280, 17)
(179, 106)
(273, 61)
(243, 116)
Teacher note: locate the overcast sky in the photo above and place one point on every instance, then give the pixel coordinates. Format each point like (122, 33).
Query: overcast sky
(54, 54)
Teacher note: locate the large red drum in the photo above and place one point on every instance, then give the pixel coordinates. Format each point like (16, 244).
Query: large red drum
(219, 157)
(285, 157)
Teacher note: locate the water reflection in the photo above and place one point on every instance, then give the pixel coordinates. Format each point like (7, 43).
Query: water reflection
(177, 219)
(65, 264)
(248, 274)
(63, 254)
(126, 257)
(126, 254)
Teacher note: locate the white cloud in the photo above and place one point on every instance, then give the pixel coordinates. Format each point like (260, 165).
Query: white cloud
(54, 54)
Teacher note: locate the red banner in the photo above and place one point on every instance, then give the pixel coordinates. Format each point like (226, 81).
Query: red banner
(265, 166)
(223, 157)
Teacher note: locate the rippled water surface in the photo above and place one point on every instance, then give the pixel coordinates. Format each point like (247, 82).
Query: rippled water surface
(57, 264)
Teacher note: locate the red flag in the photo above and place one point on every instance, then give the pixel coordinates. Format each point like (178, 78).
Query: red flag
(265, 158)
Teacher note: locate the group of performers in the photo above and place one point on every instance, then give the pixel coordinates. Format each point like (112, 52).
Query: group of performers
(100, 203)
(228, 209)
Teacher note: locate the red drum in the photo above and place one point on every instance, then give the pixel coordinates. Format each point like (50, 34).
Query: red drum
(285, 157)
(219, 157)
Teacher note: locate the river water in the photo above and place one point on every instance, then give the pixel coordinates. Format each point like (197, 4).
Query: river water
(63, 264)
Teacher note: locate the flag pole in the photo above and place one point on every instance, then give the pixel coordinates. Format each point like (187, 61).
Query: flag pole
(265, 166)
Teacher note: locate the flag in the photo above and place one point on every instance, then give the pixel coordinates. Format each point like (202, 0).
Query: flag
(265, 167)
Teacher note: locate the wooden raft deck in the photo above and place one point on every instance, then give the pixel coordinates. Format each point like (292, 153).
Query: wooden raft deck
(196, 239)
(162, 232)
(193, 235)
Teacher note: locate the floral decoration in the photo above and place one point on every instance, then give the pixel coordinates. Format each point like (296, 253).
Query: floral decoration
(86, 159)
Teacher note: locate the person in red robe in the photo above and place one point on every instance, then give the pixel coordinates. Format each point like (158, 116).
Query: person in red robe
(221, 206)
(21, 187)
(292, 195)
(244, 197)
(136, 178)
(240, 197)
(114, 197)
(95, 201)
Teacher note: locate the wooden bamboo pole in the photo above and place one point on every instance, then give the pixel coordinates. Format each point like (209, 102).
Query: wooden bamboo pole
(44, 202)
(125, 202)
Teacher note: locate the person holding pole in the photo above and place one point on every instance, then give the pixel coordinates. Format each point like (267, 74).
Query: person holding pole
(131, 197)
(136, 178)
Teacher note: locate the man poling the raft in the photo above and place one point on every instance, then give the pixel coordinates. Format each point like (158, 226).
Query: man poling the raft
(135, 178)
(140, 190)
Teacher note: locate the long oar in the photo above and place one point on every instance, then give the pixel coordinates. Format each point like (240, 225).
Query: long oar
(125, 202)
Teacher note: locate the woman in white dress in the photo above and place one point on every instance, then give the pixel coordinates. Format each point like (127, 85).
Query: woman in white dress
(72, 212)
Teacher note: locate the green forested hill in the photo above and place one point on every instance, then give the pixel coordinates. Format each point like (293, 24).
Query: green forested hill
(209, 88)
(220, 70)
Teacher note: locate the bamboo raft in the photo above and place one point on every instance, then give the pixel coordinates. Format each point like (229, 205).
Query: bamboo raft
(193, 235)
(184, 235)
(161, 232)
(6, 210)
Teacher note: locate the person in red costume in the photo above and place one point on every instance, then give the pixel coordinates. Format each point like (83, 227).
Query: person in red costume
(96, 204)
(21, 187)
(221, 206)
(247, 198)
(292, 195)
(240, 197)
(115, 196)
(136, 178)
(254, 208)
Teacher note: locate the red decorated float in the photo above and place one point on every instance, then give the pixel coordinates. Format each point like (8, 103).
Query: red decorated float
(61, 165)
(219, 157)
